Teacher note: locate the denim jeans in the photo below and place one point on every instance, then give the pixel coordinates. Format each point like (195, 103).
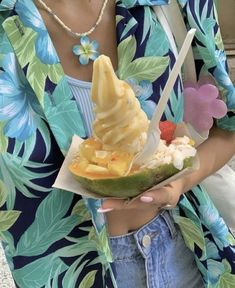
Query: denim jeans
(155, 256)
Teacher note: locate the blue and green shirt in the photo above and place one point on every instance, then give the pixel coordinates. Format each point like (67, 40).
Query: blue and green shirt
(57, 234)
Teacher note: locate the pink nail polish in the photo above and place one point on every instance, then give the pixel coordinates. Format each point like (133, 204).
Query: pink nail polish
(102, 210)
(146, 199)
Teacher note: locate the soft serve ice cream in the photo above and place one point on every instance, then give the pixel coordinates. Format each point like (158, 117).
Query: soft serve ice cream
(120, 124)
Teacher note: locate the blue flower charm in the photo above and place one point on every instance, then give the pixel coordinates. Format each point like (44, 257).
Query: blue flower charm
(87, 50)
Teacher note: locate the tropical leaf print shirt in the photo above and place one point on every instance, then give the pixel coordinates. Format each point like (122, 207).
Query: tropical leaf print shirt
(57, 234)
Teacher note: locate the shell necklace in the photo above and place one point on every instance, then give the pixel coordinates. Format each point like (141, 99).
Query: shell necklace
(87, 50)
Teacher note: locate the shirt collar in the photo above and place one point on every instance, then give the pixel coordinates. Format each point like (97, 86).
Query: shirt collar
(134, 3)
(7, 5)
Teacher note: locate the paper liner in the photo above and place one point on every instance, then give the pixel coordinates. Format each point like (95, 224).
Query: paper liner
(66, 181)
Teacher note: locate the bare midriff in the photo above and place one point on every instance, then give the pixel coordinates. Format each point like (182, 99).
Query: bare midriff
(80, 16)
(121, 222)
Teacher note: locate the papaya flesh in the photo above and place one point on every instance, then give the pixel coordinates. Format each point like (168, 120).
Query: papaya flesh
(126, 186)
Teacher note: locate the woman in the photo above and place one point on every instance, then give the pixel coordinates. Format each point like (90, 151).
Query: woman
(48, 235)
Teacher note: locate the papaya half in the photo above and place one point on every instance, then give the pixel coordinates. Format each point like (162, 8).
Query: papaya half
(126, 186)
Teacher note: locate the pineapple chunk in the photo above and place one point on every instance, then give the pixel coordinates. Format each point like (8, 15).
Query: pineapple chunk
(95, 169)
(191, 142)
(119, 163)
(102, 157)
(83, 163)
(88, 147)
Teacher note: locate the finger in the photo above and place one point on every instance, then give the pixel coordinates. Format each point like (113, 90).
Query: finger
(117, 204)
(111, 204)
(161, 197)
(157, 198)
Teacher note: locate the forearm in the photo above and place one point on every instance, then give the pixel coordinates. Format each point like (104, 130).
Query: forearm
(213, 154)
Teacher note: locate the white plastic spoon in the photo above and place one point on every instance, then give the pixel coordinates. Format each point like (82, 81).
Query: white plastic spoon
(153, 134)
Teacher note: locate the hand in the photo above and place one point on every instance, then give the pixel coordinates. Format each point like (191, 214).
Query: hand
(165, 196)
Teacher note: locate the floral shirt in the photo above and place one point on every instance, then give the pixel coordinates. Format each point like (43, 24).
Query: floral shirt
(57, 234)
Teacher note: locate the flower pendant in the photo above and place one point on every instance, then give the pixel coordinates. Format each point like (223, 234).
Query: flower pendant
(87, 50)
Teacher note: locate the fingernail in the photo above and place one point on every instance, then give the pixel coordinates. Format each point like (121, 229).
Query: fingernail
(146, 199)
(103, 210)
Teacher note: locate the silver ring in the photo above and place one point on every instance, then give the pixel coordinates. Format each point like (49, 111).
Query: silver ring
(168, 207)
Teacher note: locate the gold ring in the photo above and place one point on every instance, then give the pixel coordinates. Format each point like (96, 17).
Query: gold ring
(168, 207)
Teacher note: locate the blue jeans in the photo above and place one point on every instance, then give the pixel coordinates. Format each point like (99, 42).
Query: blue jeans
(155, 256)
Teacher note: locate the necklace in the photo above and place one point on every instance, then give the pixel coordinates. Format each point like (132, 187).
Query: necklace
(87, 49)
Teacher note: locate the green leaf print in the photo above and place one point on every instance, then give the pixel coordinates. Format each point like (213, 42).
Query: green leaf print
(101, 243)
(89, 280)
(3, 139)
(55, 73)
(208, 25)
(53, 283)
(149, 68)
(127, 50)
(119, 18)
(46, 267)
(206, 56)
(10, 185)
(45, 133)
(25, 47)
(227, 123)
(204, 34)
(49, 225)
(219, 41)
(5, 46)
(21, 177)
(144, 68)
(231, 239)
(3, 193)
(192, 234)
(130, 3)
(81, 211)
(72, 274)
(104, 245)
(61, 93)
(37, 74)
(28, 145)
(65, 122)
(147, 23)
(63, 114)
(7, 219)
(128, 27)
(158, 43)
(226, 280)
(7, 237)
(173, 111)
(227, 266)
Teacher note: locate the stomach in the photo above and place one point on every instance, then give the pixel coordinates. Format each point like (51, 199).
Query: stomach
(121, 222)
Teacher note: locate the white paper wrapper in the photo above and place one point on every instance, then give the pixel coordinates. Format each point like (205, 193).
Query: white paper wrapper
(66, 181)
(197, 137)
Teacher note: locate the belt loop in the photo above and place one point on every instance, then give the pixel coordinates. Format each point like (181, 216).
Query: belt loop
(166, 215)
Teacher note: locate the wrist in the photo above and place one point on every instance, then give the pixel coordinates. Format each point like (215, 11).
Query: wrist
(187, 183)
(193, 179)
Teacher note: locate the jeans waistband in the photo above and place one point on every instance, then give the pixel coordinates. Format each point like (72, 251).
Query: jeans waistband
(132, 244)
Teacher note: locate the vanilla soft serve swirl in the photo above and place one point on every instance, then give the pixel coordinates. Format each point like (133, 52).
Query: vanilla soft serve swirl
(120, 122)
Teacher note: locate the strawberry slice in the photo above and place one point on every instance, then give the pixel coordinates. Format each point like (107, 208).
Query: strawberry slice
(167, 129)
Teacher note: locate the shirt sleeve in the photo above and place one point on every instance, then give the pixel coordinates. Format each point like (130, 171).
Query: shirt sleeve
(209, 52)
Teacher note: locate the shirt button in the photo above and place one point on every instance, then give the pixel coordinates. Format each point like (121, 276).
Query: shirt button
(146, 241)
